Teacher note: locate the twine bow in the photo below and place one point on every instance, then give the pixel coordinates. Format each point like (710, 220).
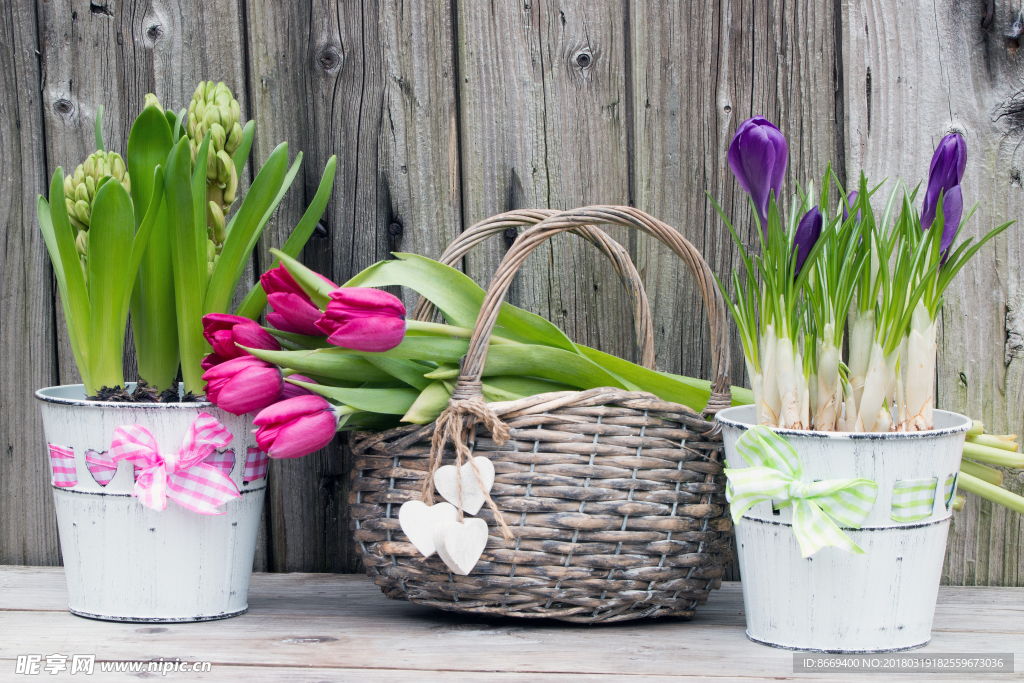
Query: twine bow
(775, 473)
(456, 424)
(183, 476)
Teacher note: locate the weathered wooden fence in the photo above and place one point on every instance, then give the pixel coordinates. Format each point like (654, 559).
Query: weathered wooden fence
(443, 112)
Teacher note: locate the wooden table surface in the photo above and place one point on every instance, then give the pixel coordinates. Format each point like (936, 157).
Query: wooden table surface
(334, 627)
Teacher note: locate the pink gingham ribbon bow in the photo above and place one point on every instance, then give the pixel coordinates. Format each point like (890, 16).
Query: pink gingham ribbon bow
(183, 477)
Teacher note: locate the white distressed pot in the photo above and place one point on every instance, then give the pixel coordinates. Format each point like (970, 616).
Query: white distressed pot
(126, 562)
(835, 601)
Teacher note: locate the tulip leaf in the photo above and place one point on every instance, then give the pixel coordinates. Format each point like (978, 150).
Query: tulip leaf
(458, 298)
(111, 234)
(246, 221)
(244, 147)
(315, 287)
(407, 371)
(188, 271)
(386, 401)
(256, 300)
(444, 371)
(519, 387)
(545, 362)
(658, 384)
(304, 340)
(72, 318)
(319, 364)
(429, 404)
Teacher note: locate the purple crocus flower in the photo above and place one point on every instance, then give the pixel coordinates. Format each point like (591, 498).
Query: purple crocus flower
(757, 157)
(851, 199)
(944, 176)
(808, 230)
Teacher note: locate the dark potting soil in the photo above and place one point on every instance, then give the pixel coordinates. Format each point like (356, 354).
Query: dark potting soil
(144, 393)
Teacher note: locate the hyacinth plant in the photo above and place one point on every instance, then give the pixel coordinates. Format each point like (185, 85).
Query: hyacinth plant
(186, 256)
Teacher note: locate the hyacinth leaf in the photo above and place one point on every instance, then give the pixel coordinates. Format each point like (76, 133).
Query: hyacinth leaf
(304, 340)
(324, 364)
(178, 126)
(458, 298)
(312, 284)
(99, 129)
(188, 270)
(78, 294)
(429, 405)
(111, 235)
(242, 153)
(142, 238)
(154, 324)
(199, 206)
(246, 221)
(387, 401)
(256, 300)
(70, 319)
(407, 371)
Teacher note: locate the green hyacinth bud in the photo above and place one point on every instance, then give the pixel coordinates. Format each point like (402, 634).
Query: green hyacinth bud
(80, 187)
(215, 221)
(82, 243)
(151, 101)
(213, 108)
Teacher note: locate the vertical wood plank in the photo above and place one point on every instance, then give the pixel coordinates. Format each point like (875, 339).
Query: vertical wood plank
(28, 530)
(915, 72)
(376, 85)
(542, 100)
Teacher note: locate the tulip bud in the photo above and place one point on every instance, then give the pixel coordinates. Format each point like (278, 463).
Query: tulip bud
(363, 319)
(227, 333)
(243, 385)
(296, 426)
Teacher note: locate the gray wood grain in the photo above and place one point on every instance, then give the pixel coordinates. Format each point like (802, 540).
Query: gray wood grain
(541, 96)
(912, 76)
(343, 628)
(28, 531)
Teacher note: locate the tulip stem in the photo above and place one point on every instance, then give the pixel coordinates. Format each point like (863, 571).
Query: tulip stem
(449, 331)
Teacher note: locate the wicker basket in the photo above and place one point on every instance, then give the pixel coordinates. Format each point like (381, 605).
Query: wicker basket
(614, 499)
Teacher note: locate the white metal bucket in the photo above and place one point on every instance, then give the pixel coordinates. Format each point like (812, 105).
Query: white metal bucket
(835, 601)
(126, 562)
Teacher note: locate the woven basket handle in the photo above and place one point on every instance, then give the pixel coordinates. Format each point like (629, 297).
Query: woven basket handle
(616, 253)
(473, 364)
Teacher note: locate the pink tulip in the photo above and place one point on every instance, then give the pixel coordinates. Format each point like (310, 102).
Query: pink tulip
(293, 309)
(292, 390)
(243, 385)
(363, 319)
(227, 332)
(296, 427)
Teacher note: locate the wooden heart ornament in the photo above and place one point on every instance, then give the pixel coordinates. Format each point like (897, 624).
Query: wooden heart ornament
(460, 544)
(447, 484)
(419, 521)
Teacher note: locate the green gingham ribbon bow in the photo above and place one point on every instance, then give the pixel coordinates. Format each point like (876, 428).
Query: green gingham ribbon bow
(775, 474)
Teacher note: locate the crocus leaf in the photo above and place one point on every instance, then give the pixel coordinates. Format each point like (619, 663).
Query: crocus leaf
(256, 300)
(188, 271)
(111, 234)
(387, 401)
(246, 221)
(458, 298)
(429, 404)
